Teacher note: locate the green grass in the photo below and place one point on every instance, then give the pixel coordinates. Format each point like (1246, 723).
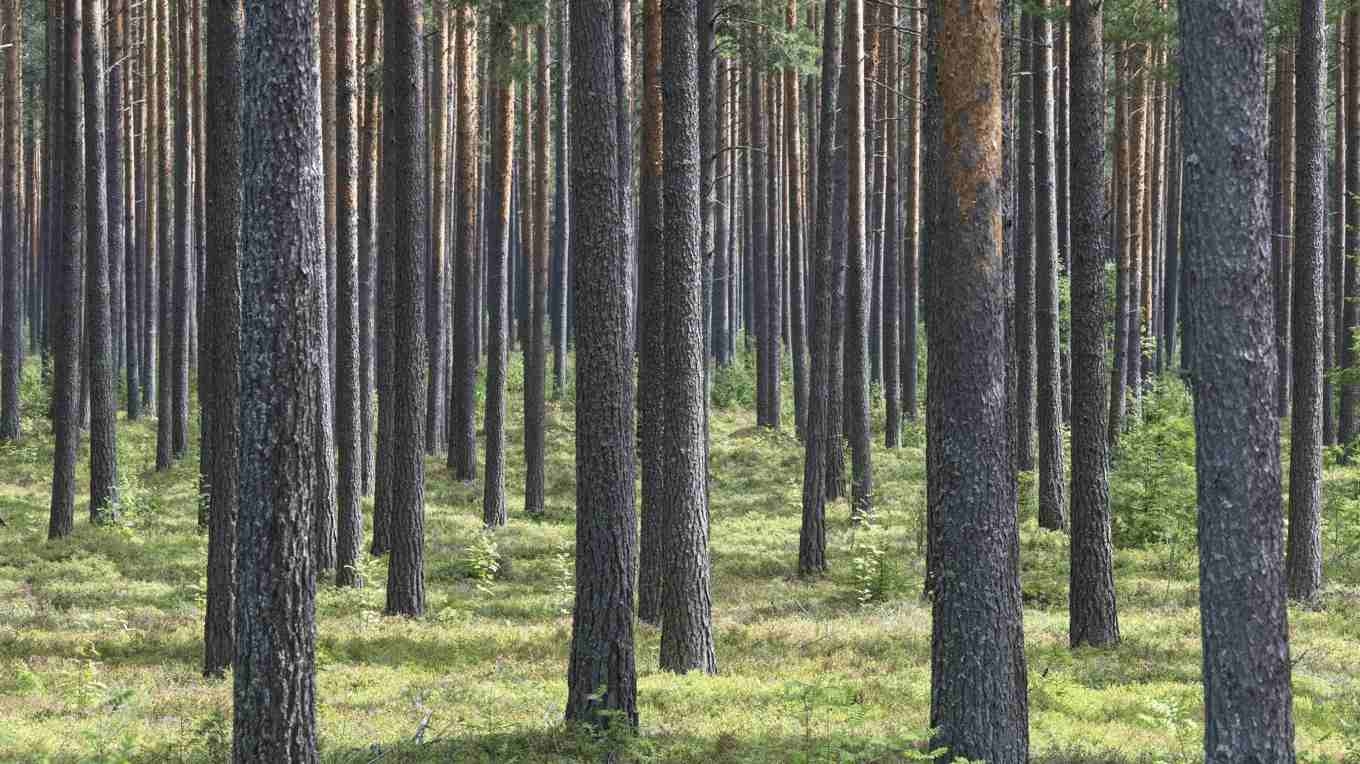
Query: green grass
(100, 633)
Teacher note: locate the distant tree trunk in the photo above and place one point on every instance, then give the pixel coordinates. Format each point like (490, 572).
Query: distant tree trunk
(117, 191)
(1093, 614)
(775, 294)
(66, 339)
(349, 453)
(793, 142)
(687, 627)
(1120, 174)
(463, 383)
(1248, 715)
(1025, 344)
(403, 226)
(1284, 222)
(722, 272)
(1350, 392)
(222, 336)
(1304, 558)
(537, 353)
(184, 224)
(561, 222)
(892, 269)
(150, 256)
(136, 205)
(857, 273)
(1137, 242)
(497, 274)
(165, 243)
(758, 253)
(11, 340)
(1171, 314)
(282, 273)
(911, 251)
(979, 703)
(652, 332)
(385, 352)
(1337, 334)
(368, 242)
(434, 282)
(326, 26)
(817, 440)
(601, 673)
(1052, 492)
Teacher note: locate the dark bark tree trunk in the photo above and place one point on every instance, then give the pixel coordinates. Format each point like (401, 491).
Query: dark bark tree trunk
(11, 336)
(758, 253)
(66, 337)
(601, 673)
(222, 336)
(562, 193)
(911, 250)
(817, 440)
(687, 626)
(774, 338)
(403, 227)
(857, 271)
(892, 269)
(535, 381)
(385, 351)
(722, 272)
(117, 189)
(1137, 205)
(349, 453)
(979, 703)
(793, 142)
(282, 273)
(1171, 312)
(1052, 492)
(1093, 614)
(1304, 558)
(436, 394)
(1350, 392)
(1336, 333)
(1284, 222)
(136, 204)
(150, 233)
(652, 331)
(463, 383)
(1024, 322)
(497, 272)
(1248, 715)
(98, 312)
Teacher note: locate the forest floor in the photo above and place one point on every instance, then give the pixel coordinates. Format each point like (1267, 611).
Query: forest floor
(100, 634)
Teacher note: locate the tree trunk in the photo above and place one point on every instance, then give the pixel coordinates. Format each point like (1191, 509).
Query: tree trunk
(1350, 392)
(368, 242)
(561, 223)
(794, 179)
(978, 689)
(436, 394)
(857, 273)
(1335, 333)
(1248, 715)
(1025, 344)
(537, 352)
(184, 223)
(601, 674)
(911, 250)
(282, 272)
(66, 339)
(1304, 558)
(349, 453)
(11, 336)
(1284, 223)
(497, 274)
(1093, 616)
(891, 299)
(687, 627)
(403, 242)
(1052, 491)
(463, 383)
(652, 351)
(165, 244)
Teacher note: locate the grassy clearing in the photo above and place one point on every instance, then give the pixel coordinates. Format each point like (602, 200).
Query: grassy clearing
(100, 634)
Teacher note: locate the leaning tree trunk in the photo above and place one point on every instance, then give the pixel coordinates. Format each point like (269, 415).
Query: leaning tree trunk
(1093, 615)
(403, 241)
(282, 272)
(979, 704)
(1248, 714)
(601, 672)
(1303, 561)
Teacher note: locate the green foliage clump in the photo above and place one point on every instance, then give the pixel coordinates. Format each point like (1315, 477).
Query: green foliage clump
(1152, 485)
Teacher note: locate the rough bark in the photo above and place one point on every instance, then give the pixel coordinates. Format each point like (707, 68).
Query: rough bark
(371, 76)
(11, 334)
(1093, 613)
(222, 338)
(1052, 492)
(463, 383)
(857, 271)
(282, 251)
(1350, 392)
(979, 703)
(562, 193)
(1025, 282)
(497, 272)
(1248, 715)
(1303, 561)
(892, 268)
(601, 674)
(165, 243)
(403, 242)
(184, 224)
(535, 381)
(793, 174)
(349, 454)
(436, 394)
(67, 272)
